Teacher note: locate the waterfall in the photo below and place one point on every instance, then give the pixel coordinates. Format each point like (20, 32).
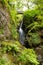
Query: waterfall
(21, 34)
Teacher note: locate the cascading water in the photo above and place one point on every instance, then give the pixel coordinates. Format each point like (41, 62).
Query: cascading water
(21, 34)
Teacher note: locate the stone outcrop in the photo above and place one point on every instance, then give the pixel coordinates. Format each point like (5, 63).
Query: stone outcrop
(4, 21)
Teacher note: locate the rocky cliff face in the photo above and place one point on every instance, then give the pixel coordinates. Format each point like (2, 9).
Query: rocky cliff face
(4, 21)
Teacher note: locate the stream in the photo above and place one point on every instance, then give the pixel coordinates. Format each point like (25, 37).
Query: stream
(21, 34)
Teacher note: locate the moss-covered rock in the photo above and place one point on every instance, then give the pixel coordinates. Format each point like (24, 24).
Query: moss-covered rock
(4, 20)
(32, 23)
(34, 39)
(29, 17)
(21, 54)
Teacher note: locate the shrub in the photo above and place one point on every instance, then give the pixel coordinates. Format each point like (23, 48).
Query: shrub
(34, 39)
(32, 22)
(29, 16)
(4, 61)
(28, 56)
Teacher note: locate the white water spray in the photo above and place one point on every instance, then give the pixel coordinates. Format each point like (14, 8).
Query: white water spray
(22, 35)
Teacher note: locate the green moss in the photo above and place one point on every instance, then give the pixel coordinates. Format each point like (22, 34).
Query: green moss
(1, 31)
(32, 20)
(28, 56)
(32, 23)
(4, 60)
(13, 30)
(10, 45)
(34, 39)
(21, 54)
(28, 17)
(13, 22)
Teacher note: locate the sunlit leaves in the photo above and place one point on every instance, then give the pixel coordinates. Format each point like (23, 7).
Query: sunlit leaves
(28, 56)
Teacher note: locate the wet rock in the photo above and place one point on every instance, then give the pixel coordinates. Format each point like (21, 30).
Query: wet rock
(42, 63)
(40, 58)
(39, 52)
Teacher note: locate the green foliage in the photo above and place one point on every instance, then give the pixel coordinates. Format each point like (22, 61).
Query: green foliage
(22, 55)
(1, 31)
(13, 30)
(19, 18)
(39, 4)
(10, 46)
(28, 56)
(34, 39)
(31, 13)
(13, 22)
(4, 61)
(11, 10)
(29, 17)
(33, 21)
